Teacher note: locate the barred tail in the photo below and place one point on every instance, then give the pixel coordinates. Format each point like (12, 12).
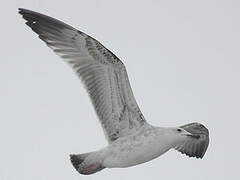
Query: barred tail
(85, 168)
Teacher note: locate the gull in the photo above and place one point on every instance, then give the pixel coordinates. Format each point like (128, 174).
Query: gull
(131, 139)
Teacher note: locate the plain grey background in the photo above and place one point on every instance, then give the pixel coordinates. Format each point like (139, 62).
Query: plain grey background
(183, 63)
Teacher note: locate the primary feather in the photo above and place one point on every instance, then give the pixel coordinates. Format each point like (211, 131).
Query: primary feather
(103, 74)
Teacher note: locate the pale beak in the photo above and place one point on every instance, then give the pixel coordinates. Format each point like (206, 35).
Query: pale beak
(195, 136)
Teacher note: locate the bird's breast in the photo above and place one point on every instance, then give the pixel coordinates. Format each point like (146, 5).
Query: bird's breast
(135, 149)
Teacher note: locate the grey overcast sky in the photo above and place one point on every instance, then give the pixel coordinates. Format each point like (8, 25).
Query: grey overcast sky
(183, 62)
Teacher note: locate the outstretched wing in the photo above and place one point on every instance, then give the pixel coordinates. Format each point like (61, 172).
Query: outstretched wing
(195, 147)
(102, 73)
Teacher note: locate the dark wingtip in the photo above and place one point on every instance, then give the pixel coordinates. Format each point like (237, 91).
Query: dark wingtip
(22, 10)
(43, 20)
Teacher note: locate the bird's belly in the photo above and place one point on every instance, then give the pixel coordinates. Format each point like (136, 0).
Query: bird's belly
(133, 152)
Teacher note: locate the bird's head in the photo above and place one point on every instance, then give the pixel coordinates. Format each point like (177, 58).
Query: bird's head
(178, 134)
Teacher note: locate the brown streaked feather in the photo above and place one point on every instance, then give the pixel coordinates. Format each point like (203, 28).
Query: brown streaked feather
(103, 74)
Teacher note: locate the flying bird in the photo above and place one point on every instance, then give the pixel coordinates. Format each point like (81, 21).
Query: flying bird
(131, 139)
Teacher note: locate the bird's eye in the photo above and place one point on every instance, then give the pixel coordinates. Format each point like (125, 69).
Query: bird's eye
(179, 130)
